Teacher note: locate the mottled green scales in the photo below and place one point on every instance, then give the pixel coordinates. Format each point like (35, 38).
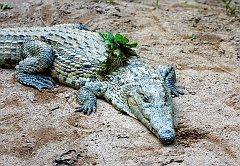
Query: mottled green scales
(72, 55)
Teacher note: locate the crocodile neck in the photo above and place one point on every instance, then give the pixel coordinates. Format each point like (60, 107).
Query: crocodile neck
(134, 72)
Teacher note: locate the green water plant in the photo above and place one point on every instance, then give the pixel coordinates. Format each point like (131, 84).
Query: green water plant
(119, 51)
(185, 3)
(193, 36)
(229, 10)
(5, 6)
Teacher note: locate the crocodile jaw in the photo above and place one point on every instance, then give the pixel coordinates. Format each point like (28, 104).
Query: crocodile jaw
(163, 127)
(157, 114)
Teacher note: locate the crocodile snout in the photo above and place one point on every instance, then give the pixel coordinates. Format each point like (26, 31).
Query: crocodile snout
(167, 136)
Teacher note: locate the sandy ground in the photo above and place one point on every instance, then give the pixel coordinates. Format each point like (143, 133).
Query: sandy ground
(36, 128)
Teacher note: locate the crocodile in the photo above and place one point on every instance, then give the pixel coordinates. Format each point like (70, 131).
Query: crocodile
(72, 55)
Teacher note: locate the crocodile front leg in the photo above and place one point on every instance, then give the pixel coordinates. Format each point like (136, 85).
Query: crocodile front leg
(86, 97)
(168, 73)
(38, 56)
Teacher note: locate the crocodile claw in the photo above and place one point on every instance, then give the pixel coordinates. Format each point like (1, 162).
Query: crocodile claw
(176, 92)
(173, 88)
(87, 108)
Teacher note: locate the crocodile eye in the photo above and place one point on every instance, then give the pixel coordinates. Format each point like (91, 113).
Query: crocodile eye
(144, 97)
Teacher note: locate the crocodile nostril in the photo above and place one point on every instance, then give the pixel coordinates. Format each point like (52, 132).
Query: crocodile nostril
(168, 131)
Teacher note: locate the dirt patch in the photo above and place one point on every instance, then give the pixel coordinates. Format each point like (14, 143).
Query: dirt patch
(37, 127)
(187, 136)
(25, 146)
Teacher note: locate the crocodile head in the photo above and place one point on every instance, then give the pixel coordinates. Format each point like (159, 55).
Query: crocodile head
(151, 104)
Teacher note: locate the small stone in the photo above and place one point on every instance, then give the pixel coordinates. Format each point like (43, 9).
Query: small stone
(100, 10)
(192, 93)
(67, 96)
(94, 163)
(28, 141)
(178, 67)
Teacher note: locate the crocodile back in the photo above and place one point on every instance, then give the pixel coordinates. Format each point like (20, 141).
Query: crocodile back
(78, 53)
(10, 49)
(79, 58)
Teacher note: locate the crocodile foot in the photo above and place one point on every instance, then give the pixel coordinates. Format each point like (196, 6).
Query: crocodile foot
(170, 83)
(87, 101)
(87, 108)
(37, 81)
(169, 75)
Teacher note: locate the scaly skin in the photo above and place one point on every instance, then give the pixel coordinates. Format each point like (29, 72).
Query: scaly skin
(74, 57)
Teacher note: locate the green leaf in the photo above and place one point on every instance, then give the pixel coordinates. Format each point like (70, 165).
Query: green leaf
(228, 3)
(110, 37)
(131, 45)
(113, 46)
(120, 39)
(119, 51)
(5, 6)
(103, 35)
(116, 52)
(107, 42)
(107, 36)
(193, 36)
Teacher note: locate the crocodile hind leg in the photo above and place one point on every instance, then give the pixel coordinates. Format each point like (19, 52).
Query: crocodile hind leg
(168, 73)
(86, 96)
(38, 57)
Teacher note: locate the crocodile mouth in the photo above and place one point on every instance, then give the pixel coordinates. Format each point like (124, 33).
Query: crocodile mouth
(167, 141)
(165, 136)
